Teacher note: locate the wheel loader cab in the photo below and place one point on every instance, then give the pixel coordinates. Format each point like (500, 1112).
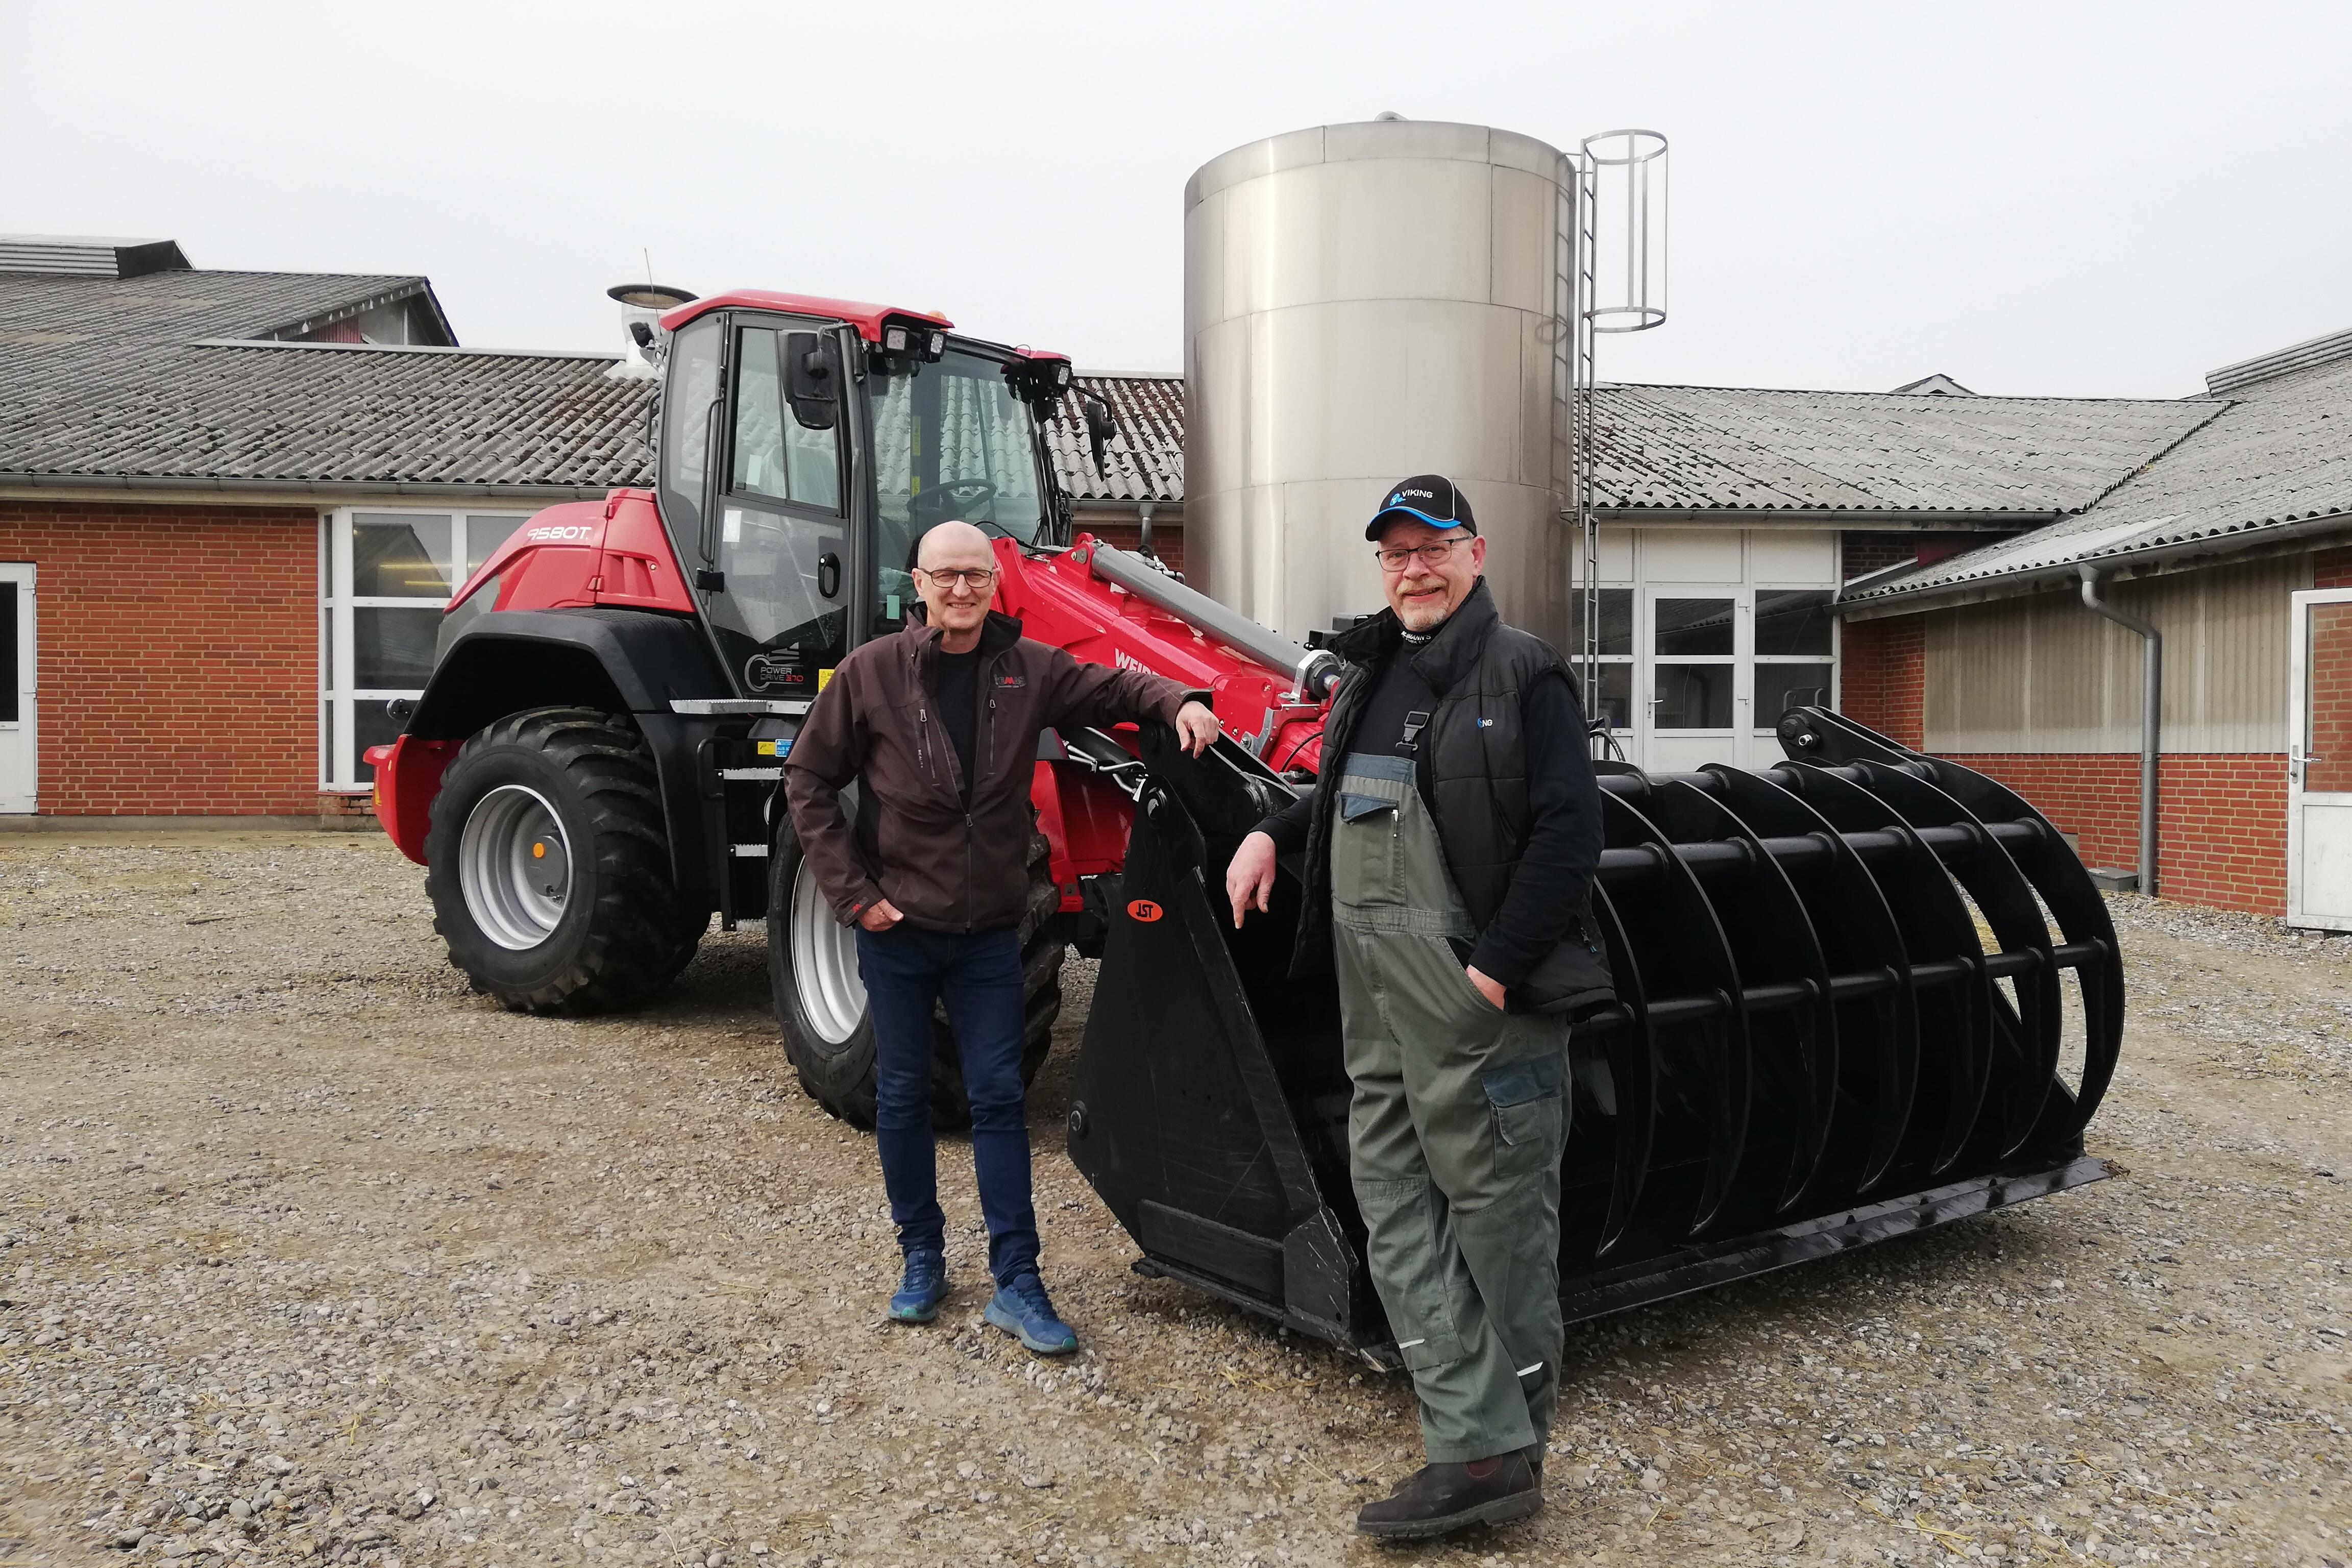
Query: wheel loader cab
(802, 457)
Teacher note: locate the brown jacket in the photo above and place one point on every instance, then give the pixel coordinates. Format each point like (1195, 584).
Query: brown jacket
(914, 843)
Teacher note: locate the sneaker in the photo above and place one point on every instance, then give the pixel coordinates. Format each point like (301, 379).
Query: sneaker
(922, 1288)
(1021, 1309)
(1441, 1499)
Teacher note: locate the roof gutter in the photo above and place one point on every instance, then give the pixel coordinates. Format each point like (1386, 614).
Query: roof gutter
(2151, 718)
(2269, 539)
(21, 484)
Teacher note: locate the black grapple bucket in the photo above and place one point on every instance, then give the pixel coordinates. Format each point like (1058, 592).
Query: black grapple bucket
(1843, 1013)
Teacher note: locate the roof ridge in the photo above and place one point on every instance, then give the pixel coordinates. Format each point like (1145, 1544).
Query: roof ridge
(1976, 400)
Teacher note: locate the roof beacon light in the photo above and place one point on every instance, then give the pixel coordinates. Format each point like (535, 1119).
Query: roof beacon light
(653, 297)
(641, 307)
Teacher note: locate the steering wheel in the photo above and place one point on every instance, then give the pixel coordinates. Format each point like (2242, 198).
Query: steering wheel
(965, 494)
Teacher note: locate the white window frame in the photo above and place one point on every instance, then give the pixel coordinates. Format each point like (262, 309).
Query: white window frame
(1751, 743)
(339, 770)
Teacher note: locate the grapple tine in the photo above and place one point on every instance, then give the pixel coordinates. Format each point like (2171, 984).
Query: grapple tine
(1695, 996)
(1632, 1052)
(1940, 941)
(2029, 1068)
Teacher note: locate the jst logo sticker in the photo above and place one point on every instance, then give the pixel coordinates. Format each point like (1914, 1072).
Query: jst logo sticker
(1143, 910)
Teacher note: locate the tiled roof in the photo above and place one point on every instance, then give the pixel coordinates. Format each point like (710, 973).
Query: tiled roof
(1671, 449)
(1145, 461)
(156, 379)
(333, 414)
(2279, 452)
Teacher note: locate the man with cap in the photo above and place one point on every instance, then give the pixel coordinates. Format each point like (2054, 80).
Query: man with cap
(1450, 845)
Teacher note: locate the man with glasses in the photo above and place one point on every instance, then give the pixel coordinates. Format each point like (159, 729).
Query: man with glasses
(1450, 847)
(939, 727)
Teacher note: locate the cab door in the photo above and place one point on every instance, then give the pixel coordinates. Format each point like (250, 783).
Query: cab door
(778, 533)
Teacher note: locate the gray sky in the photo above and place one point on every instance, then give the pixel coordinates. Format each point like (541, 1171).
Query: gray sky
(2053, 197)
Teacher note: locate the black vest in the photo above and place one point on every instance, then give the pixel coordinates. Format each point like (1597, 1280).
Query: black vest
(1478, 778)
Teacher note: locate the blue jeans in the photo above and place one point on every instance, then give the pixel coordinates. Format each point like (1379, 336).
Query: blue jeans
(906, 970)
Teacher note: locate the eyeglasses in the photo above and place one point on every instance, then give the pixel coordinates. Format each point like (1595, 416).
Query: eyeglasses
(1434, 554)
(949, 576)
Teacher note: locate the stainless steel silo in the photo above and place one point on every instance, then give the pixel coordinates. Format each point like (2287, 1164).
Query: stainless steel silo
(1362, 302)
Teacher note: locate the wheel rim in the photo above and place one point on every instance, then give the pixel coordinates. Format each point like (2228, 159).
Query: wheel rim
(825, 963)
(514, 865)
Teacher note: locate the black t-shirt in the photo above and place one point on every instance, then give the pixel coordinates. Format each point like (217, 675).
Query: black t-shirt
(1395, 720)
(959, 679)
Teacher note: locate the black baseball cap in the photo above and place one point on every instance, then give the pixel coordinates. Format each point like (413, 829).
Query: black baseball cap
(1424, 498)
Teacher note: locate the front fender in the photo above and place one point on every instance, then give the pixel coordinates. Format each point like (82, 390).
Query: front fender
(507, 661)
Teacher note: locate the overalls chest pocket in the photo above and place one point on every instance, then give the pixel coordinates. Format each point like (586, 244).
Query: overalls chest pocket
(1364, 849)
(1368, 850)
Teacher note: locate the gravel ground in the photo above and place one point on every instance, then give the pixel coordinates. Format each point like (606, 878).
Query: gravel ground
(308, 1253)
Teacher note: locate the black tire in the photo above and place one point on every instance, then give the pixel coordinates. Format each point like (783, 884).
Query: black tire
(624, 932)
(838, 1072)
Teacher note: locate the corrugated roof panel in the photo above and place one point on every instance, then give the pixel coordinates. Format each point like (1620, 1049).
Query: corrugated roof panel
(1714, 448)
(2279, 452)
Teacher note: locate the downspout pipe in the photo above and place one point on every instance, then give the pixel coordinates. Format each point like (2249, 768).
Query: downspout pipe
(2151, 718)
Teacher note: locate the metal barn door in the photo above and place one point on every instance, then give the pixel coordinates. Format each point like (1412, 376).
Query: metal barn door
(2319, 761)
(20, 745)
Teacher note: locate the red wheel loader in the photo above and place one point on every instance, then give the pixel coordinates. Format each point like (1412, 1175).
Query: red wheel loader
(1813, 1045)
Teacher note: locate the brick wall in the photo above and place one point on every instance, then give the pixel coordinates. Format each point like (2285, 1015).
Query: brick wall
(1861, 552)
(2221, 817)
(178, 649)
(1167, 533)
(1883, 671)
(2331, 568)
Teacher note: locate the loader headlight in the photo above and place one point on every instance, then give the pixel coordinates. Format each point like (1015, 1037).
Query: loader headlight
(903, 340)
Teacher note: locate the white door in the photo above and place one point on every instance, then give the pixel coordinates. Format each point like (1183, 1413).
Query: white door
(20, 746)
(1698, 713)
(2319, 761)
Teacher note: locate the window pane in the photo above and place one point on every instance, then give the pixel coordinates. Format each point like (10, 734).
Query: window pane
(1694, 626)
(1781, 687)
(1792, 620)
(396, 557)
(686, 429)
(759, 424)
(952, 442)
(1616, 703)
(1616, 621)
(483, 537)
(10, 695)
(775, 454)
(1693, 697)
(392, 650)
(373, 727)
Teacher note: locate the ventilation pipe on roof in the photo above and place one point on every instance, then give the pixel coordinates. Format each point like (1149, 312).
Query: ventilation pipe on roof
(2151, 718)
(1143, 531)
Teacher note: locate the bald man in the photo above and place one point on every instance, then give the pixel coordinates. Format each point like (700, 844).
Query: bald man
(938, 726)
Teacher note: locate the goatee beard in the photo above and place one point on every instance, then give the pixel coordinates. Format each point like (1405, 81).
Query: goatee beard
(1420, 619)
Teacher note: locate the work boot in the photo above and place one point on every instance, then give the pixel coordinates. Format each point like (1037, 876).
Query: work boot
(921, 1288)
(1439, 1499)
(1021, 1309)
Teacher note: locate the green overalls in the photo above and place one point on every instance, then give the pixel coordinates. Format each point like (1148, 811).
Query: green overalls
(1454, 1133)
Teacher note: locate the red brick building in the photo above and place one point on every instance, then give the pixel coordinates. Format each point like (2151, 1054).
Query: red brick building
(2235, 545)
(232, 505)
